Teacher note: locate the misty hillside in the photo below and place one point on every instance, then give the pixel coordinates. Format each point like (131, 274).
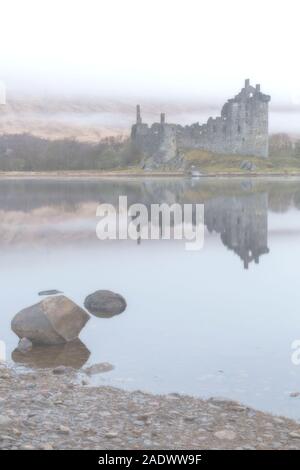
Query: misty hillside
(90, 120)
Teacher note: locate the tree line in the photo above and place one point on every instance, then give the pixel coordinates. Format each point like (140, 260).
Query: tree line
(25, 152)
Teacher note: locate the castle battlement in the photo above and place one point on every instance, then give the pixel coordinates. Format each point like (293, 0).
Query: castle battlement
(241, 128)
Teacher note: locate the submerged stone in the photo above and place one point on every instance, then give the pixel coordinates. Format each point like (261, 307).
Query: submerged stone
(98, 368)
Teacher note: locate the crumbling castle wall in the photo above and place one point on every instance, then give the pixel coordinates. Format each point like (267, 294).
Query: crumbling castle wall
(241, 129)
(158, 142)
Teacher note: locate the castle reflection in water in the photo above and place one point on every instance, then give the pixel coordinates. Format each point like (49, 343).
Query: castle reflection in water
(242, 223)
(236, 210)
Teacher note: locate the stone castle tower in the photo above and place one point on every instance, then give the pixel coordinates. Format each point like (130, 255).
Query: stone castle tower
(242, 129)
(158, 143)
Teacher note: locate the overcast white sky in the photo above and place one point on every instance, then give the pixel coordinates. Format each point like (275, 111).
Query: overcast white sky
(155, 48)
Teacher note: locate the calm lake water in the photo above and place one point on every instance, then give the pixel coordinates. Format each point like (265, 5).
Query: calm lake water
(216, 322)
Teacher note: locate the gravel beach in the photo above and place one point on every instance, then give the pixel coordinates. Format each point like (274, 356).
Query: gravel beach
(57, 409)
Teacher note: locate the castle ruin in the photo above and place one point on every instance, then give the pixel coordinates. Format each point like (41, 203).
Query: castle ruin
(242, 129)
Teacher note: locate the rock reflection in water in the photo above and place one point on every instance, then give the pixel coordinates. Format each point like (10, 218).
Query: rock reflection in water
(73, 354)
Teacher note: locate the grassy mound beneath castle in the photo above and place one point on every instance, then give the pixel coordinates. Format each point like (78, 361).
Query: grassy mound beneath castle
(23, 153)
(210, 163)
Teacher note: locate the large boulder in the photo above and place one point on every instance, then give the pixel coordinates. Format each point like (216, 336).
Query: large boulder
(54, 320)
(24, 346)
(104, 303)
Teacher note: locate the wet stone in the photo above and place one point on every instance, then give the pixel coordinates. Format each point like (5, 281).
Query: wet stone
(49, 292)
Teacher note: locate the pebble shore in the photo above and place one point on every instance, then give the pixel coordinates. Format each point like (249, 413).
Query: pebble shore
(57, 409)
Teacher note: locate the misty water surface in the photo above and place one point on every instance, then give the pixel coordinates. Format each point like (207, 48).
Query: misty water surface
(218, 322)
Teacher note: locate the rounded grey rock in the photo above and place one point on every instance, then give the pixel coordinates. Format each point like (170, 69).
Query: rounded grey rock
(104, 303)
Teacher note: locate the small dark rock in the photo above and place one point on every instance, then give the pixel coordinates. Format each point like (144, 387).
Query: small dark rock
(60, 370)
(99, 368)
(104, 303)
(50, 292)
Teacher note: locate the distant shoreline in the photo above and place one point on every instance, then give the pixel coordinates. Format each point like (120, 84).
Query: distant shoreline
(136, 174)
(85, 174)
